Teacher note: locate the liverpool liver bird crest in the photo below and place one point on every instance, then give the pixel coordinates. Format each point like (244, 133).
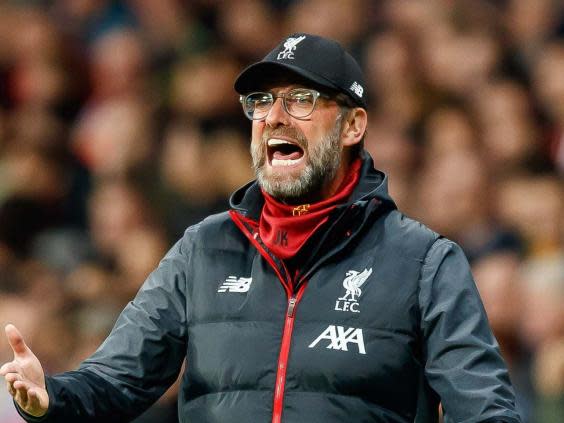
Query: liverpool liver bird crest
(353, 282)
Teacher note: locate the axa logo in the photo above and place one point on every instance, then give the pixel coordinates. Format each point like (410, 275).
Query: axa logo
(352, 283)
(357, 89)
(339, 338)
(289, 47)
(235, 284)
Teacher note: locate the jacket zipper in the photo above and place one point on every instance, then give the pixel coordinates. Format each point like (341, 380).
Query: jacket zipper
(293, 300)
(284, 354)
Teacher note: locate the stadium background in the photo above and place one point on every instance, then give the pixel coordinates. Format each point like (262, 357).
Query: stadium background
(119, 127)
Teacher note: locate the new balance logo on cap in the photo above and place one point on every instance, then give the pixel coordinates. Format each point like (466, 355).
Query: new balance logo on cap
(234, 284)
(357, 89)
(289, 47)
(339, 338)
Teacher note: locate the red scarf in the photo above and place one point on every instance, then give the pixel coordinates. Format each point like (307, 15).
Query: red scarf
(285, 229)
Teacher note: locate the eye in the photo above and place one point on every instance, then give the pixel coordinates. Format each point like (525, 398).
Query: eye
(262, 102)
(304, 100)
(301, 98)
(259, 101)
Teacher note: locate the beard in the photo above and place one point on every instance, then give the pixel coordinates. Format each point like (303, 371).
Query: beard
(322, 163)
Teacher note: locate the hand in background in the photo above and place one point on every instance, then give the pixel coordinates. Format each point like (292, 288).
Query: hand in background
(24, 376)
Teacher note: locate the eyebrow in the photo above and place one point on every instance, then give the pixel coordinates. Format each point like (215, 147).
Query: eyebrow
(288, 88)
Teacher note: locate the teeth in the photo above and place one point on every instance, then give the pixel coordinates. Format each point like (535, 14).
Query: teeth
(275, 141)
(278, 162)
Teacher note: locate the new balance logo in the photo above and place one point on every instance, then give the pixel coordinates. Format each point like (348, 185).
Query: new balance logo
(339, 338)
(357, 89)
(289, 47)
(234, 284)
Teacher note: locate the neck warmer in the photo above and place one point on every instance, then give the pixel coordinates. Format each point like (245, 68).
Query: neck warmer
(286, 228)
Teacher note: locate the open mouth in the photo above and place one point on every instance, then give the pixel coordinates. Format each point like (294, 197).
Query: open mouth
(283, 152)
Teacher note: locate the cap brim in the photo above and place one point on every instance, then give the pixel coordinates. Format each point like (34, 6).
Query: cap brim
(256, 76)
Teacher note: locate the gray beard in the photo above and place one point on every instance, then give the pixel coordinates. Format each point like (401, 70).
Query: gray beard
(324, 159)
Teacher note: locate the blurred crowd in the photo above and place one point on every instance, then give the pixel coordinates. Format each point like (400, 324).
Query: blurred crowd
(119, 127)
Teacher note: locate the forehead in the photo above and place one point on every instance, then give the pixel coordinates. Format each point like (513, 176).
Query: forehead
(282, 88)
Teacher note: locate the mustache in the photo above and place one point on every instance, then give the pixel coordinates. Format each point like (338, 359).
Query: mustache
(285, 131)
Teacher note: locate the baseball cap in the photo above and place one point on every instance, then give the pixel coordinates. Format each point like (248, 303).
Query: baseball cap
(312, 58)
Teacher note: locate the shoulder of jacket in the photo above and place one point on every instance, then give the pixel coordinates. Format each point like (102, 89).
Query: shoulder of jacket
(212, 232)
(440, 249)
(411, 237)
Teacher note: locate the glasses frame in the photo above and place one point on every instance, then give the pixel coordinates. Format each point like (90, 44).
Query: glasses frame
(316, 95)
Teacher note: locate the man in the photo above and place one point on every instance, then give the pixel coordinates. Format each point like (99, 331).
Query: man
(312, 300)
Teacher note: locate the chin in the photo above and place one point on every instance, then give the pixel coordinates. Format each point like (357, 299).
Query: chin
(284, 176)
(288, 190)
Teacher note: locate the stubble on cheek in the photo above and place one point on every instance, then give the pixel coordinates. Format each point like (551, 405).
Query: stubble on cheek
(258, 154)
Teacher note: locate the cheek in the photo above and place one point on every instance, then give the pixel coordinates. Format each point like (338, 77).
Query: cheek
(313, 136)
(326, 121)
(257, 130)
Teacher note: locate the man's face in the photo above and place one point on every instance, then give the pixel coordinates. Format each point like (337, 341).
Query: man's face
(297, 160)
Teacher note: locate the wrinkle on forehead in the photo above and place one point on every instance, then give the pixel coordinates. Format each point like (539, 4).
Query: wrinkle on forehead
(279, 89)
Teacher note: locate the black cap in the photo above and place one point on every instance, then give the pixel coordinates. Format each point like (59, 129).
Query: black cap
(313, 58)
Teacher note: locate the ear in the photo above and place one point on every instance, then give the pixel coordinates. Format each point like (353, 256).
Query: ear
(354, 126)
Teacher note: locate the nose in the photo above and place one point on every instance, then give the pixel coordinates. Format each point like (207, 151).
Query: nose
(277, 115)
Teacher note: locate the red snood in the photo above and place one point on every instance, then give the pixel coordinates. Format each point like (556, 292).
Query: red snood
(285, 229)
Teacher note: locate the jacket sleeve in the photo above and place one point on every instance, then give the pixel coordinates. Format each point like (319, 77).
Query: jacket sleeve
(138, 361)
(463, 364)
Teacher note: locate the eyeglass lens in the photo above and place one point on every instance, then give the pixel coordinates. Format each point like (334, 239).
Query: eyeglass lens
(298, 103)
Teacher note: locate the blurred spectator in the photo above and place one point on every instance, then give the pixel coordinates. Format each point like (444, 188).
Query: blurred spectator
(138, 253)
(459, 181)
(199, 172)
(458, 62)
(530, 24)
(549, 374)
(116, 209)
(392, 82)
(543, 287)
(330, 19)
(549, 87)
(534, 207)
(233, 25)
(118, 65)
(164, 24)
(507, 127)
(113, 137)
(394, 152)
(449, 129)
(542, 328)
(200, 85)
(498, 279)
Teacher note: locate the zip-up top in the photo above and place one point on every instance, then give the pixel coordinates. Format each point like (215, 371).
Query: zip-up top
(310, 343)
(246, 214)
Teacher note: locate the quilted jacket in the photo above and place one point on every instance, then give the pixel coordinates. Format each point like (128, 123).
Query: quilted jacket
(377, 320)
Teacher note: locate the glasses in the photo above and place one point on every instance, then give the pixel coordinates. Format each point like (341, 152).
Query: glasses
(298, 103)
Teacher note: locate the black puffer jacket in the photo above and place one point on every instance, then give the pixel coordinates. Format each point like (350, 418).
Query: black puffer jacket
(379, 320)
